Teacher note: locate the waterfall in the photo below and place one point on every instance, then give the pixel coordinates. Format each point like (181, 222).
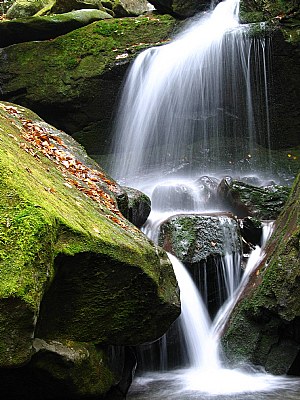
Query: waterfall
(188, 104)
(187, 110)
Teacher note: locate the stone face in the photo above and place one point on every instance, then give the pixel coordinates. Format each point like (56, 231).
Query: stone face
(75, 83)
(264, 326)
(46, 27)
(63, 236)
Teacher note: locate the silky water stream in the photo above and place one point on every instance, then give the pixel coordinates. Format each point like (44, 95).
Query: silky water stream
(188, 111)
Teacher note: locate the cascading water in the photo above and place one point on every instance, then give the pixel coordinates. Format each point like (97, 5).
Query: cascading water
(187, 110)
(184, 103)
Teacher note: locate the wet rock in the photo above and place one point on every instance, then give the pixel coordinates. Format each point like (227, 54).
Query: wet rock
(246, 200)
(139, 206)
(251, 230)
(117, 8)
(193, 238)
(265, 324)
(177, 196)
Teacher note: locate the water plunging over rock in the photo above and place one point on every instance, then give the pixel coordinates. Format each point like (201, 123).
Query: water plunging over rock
(187, 109)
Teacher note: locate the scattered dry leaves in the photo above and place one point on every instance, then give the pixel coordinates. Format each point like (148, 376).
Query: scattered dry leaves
(75, 173)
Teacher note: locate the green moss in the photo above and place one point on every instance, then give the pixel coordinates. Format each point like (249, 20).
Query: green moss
(283, 15)
(55, 239)
(83, 53)
(271, 300)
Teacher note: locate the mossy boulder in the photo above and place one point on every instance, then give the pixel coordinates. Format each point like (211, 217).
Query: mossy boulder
(181, 8)
(193, 238)
(46, 27)
(72, 267)
(246, 200)
(265, 324)
(75, 79)
(67, 370)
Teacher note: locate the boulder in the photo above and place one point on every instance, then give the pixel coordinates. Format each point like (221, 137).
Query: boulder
(210, 247)
(74, 80)
(61, 370)
(117, 8)
(73, 269)
(29, 8)
(139, 206)
(246, 200)
(128, 8)
(265, 324)
(193, 237)
(46, 27)
(180, 8)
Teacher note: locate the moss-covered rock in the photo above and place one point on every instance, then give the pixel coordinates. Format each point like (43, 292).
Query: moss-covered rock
(266, 10)
(74, 79)
(67, 370)
(46, 27)
(245, 200)
(264, 326)
(193, 238)
(62, 236)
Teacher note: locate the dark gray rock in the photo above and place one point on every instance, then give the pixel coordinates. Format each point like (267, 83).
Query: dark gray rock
(246, 200)
(181, 8)
(139, 206)
(193, 238)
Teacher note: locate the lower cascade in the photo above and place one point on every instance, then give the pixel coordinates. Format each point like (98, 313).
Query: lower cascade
(189, 110)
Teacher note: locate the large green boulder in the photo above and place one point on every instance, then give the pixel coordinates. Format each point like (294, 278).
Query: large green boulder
(265, 324)
(72, 267)
(74, 80)
(46, 27)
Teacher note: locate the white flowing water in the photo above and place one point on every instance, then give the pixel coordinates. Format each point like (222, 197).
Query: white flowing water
(187, 109)
(206, 377)
(185, 101)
